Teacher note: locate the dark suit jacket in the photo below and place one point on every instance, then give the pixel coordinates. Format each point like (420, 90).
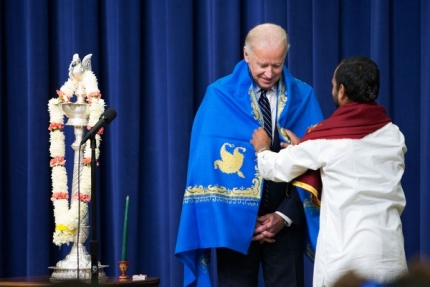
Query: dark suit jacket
(283, 197)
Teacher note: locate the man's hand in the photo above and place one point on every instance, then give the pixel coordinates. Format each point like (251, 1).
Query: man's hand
(293, 138)
(267, 227)
(260, 139)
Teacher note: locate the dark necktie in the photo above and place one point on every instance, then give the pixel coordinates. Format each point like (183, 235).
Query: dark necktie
(267, 114)
(267, 117)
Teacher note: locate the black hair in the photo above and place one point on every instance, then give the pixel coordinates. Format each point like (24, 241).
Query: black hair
(360, 78)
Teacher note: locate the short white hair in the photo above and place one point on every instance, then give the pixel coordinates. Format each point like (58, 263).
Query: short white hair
(266, 35)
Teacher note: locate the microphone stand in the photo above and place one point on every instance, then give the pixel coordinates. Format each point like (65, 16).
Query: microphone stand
(94, 243)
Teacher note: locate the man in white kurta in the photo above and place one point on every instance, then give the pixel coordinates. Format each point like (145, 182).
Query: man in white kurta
(360, 164)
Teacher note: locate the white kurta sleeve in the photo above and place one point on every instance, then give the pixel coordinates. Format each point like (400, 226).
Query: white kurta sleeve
(288, 163)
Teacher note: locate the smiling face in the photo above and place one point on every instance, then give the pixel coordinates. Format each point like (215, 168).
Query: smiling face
(265, 63)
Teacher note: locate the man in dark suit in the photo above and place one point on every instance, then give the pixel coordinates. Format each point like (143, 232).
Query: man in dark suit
(279, 235)
(227, 204)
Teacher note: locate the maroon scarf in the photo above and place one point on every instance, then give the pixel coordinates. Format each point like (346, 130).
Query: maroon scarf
(350, 121)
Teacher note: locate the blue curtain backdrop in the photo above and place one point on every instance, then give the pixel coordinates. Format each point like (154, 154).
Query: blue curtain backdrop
(153, 60)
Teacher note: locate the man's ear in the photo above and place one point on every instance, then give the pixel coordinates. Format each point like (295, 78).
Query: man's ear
(343, 97)
(245, 55)
(342, 92)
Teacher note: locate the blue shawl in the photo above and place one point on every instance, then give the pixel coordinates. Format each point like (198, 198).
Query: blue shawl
(223, 188)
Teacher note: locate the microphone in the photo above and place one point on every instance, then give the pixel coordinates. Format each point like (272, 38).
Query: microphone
(105, 119)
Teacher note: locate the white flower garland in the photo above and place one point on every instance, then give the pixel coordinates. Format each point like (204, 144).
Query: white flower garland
(66, 219)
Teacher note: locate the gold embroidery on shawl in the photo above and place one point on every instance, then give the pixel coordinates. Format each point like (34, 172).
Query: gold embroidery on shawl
(311, 190)
(236, 193)
(256, 111)
(251, 194)
(282, 101)
(283, 134)
(230, 162)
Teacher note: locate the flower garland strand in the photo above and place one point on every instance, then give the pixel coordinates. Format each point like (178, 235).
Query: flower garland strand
(66, 219)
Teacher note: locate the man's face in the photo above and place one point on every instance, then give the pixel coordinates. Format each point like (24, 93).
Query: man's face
(265, 64)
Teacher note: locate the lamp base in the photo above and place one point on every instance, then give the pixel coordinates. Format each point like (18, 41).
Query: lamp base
(60, 274)
(76, 265)
(123, 266)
